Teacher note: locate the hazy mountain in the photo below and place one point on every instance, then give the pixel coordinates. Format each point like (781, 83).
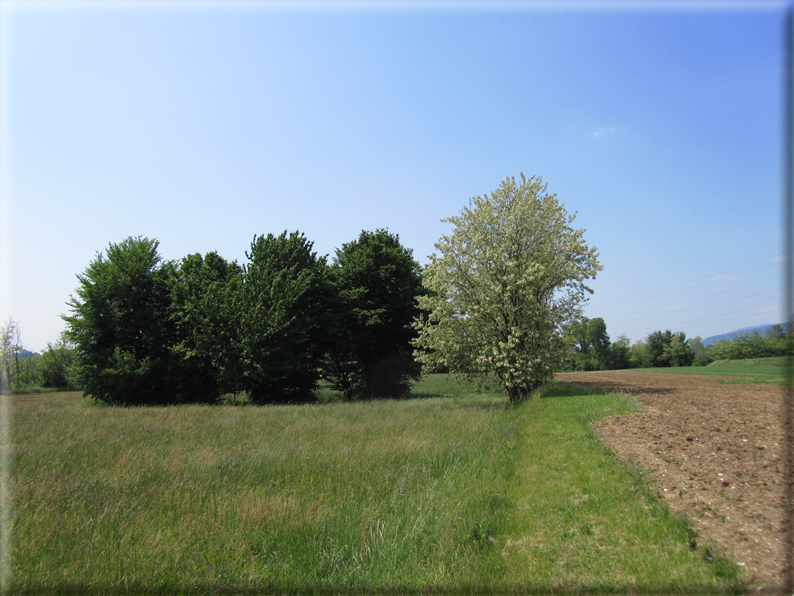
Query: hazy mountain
(760, 328)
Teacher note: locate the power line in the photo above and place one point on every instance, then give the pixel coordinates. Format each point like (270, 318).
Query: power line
(656, 310)
(636, 297)
(715, 319)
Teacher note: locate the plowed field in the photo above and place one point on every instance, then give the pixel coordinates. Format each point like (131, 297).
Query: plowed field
(714, 451)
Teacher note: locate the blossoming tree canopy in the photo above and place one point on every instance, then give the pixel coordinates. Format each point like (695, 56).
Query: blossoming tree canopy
(502, 286)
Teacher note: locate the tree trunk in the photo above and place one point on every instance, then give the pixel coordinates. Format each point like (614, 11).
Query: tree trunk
(518, 394)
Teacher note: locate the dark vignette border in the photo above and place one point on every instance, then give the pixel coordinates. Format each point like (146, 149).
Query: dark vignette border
(788, 274)
(787, 81)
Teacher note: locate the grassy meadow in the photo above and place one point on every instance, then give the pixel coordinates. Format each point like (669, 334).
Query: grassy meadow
(753, 370)
(434, 494)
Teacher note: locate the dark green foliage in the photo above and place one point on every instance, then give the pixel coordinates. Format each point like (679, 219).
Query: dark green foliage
(284, 318)
(121, 328)
(591, 344)
(665, 348)
(592, 349)
(377, 281)
(656, 343)
(669, 349)
(599, 341)
(620, 354)
(149, 332)
(780, 339)
(205, 295)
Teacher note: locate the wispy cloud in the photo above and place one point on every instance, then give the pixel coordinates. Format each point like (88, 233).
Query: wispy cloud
(722, 276)
(601, 131)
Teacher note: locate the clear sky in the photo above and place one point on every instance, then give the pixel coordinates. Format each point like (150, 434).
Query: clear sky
(203, 126)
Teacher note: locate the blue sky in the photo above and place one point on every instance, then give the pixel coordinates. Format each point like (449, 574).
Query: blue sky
(205, 127)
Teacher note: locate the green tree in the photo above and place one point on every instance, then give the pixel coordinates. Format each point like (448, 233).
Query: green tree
(620, 353)
(10, 346)
(507, 281)
(55, 365)
(700, 355)
(205, 296)
(29, 369)
(580, 358)
(721, 350)
(599, 339)
(669, 349)
(777, 338)
(657, 341)
(678, 352)
(121, 326)
(377, 281)
(284, 318)
(640, 355)
(18, 366)
(591, 344)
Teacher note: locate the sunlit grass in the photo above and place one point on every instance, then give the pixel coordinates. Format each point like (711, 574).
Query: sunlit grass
(397, 495)
(581, 520)
(755, 371)
(377, 493)
(449, 385)
(774, 361)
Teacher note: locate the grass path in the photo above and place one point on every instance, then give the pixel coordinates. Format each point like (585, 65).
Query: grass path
(583, 520)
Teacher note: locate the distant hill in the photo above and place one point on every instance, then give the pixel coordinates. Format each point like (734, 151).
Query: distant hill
(714, 338)
(23, 353)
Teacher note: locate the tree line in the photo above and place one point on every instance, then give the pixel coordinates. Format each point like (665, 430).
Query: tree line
(775, 342)
(492, 302)
(501, 298)
(593, 350)
(149, 331)
(22, 370)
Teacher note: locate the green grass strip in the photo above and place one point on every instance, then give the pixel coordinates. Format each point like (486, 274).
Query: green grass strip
(755, 374)
(584, 521)
(765, 362)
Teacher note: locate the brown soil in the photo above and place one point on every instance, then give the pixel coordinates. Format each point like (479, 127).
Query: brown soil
(714, 451)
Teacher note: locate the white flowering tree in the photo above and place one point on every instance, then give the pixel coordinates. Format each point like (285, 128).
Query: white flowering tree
(502, 287)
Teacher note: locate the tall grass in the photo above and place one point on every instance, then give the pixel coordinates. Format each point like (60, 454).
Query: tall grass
(372, 494)
(449, 385)
(455, 494)
(33, 389)
(581, 520)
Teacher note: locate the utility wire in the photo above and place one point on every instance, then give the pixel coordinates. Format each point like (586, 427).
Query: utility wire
(715, 319)
(656, 310)
(636, 297)
(674, 312)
